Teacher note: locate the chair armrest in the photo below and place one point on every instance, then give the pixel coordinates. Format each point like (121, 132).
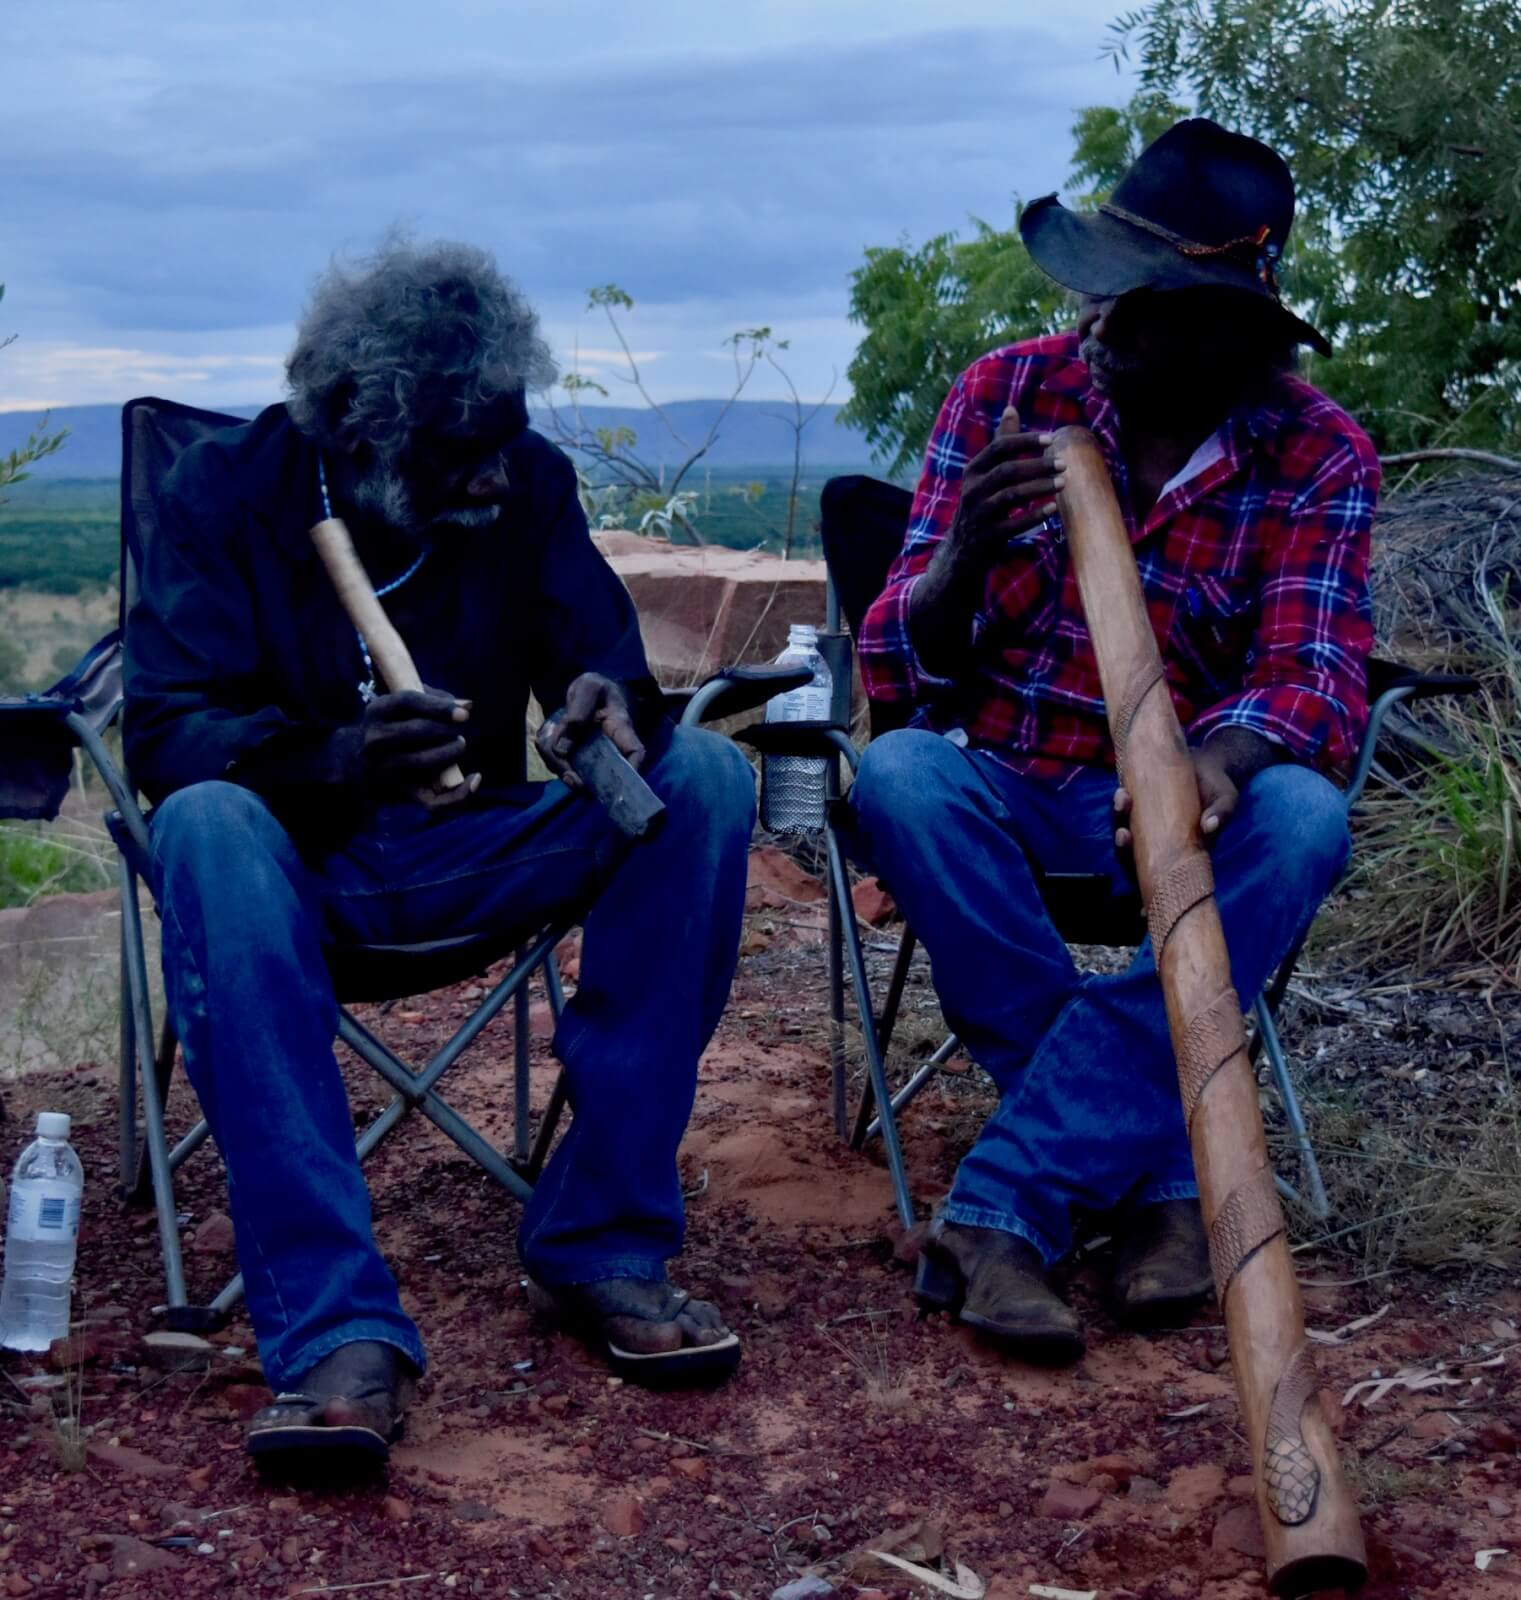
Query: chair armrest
(1390, 683)
(733, 691)
(39, 733)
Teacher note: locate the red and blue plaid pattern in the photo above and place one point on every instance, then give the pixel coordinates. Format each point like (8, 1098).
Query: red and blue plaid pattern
(1254, 566)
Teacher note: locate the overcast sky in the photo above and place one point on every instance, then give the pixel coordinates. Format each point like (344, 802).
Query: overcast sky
(175, 174)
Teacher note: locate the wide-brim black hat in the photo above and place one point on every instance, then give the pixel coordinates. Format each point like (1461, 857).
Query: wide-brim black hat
(1200, 207)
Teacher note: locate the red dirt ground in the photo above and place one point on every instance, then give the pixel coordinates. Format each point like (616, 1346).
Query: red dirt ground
(528, 1471)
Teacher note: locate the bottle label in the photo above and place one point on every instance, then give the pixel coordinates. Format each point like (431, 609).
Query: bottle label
(43, 1211)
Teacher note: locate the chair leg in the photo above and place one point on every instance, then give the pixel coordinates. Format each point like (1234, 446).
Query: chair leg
(836, 997)
(520, 1083)
(153, 1108)
(864, 1122)
(947, 1049)
(126, 1092)
(1314, 1197)
(558, 1099)
(875, 1071)
(140, 1191)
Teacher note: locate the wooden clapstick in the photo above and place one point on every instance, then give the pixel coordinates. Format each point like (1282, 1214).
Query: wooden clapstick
(393, 661)
(1309, 1519)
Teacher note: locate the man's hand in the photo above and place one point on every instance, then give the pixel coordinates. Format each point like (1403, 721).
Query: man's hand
(593, 704)
(402, 742)
(1227, 761)
(1008, 487)
(1218, 795)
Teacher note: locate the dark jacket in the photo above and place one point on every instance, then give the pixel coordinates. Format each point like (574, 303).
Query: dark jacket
(240, 663)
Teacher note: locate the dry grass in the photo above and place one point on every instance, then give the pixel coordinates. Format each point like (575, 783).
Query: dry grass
(1435, 883)
(1421, 1192)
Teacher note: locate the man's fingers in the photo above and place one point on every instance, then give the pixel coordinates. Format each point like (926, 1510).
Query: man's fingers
(426, 762)
(413, 703)
(582, 699)
(1005, 447)
(1042, 490)
(1122, 802)
(390, 738)
(616, 725)
(436, 798)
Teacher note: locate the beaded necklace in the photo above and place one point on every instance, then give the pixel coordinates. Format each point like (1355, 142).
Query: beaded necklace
(367, 688)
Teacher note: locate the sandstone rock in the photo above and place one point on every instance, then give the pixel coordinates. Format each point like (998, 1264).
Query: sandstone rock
(693, 1467)
(130, 1557)
(123, 1458)
(1497, 1436)
(395, 1509)
(623, 1516)
(776, 881)
(700, 609)
(244, 1399)
(214, 1237)
(1240, 1530)
(1193, 1488)
(808, 1587)
(557, 1404)
(1432, 1425)
(1068, 1501)
(1121, 1468)
(74, 1351)
(177, 1352)
(873, 904)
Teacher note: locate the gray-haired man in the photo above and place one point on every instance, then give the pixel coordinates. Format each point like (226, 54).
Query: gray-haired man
(287, 817)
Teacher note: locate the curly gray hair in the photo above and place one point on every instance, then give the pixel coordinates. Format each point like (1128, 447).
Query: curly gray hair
(412, 334)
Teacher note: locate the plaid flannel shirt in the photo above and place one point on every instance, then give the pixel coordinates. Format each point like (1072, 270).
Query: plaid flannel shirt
(1254, 563)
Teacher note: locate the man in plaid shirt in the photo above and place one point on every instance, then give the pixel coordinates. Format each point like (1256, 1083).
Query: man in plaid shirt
(1249, 497)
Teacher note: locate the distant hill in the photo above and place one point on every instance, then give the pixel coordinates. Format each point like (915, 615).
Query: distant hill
(753, 437)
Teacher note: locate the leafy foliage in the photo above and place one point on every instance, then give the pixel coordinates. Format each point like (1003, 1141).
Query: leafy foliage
(39, 442)
(930, 311)
(1401, 120)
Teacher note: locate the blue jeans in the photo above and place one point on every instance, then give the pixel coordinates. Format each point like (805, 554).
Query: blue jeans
(245, 921)
(1089, 1113)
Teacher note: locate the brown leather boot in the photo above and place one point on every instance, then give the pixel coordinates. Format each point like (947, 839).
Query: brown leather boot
(1161, 1265)
(997, 1283)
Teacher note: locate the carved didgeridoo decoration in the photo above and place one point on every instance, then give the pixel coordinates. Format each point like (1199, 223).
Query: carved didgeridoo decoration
(393, 661)
(1309, 1518)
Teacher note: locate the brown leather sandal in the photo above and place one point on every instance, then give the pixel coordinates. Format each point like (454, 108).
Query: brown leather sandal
(600, 1314)
(342, 1421)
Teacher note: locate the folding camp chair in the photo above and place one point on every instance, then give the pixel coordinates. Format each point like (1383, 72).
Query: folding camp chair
(863, 526)
(38, 737)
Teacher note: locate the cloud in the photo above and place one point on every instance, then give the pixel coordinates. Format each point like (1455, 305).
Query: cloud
(190, 178)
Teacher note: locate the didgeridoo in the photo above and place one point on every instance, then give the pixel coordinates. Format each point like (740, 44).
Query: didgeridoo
(1309, 1520)
(393, 661)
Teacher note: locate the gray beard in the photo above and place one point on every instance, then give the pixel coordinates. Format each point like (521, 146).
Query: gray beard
(1106, 366)
(383, 496)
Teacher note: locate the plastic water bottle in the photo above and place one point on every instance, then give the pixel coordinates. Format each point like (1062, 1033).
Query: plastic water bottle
(793, 787)
(42, 1231)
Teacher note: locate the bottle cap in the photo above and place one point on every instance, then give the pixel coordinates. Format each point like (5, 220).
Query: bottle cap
(53, 1124)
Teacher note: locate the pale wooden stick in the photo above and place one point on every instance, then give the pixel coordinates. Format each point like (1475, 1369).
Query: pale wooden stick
(393, 661)
(1309, 1518)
